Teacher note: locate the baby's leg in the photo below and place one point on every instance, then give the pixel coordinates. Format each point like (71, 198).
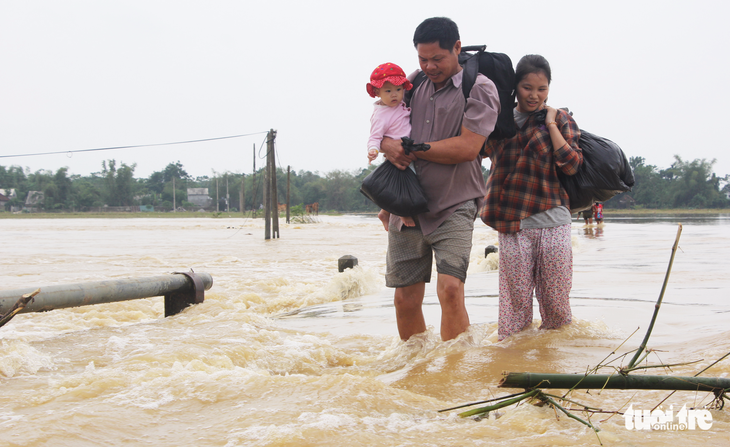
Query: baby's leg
(384, 217)
(408, 221)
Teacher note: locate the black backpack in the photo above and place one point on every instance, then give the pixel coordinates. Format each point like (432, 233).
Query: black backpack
(498, 68)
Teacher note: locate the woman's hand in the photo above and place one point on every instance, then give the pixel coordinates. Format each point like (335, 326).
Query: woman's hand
(556, 136)
(552, 113)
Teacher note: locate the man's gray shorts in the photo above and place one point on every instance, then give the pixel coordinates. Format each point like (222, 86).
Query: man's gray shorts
(410, 253)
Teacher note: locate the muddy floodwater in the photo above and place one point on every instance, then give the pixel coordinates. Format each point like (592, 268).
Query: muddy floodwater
(287, 351)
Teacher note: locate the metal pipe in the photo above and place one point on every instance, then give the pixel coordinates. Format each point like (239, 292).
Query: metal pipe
(172, 286)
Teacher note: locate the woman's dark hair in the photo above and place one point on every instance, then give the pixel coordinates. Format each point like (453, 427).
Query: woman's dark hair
(437, 29)
(532, 63)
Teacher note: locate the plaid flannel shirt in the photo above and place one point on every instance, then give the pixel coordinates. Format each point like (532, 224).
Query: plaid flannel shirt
(523, 179)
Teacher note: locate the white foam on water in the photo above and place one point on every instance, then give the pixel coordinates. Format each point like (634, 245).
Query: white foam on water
(19, 358)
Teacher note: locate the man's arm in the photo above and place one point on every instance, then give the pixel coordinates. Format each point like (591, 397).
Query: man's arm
(481, 115)
(451, 151)
(394, 153)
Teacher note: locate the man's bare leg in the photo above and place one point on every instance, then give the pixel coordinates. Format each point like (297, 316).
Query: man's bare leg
(454, 318)
(408, 311)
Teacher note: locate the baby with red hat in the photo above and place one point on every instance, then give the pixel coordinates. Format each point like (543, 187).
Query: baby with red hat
(391, 118)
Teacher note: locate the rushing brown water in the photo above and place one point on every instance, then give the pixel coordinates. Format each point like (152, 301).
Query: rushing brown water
(286, 351)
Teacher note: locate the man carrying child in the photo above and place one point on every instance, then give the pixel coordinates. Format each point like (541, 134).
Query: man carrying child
(451, 176)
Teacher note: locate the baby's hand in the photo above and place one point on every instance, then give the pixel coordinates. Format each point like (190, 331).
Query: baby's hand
(372, 155)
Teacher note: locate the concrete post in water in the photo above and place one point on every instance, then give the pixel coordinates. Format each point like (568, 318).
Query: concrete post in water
(179, 289)
(267, 202)
(242, 200)
(274, 192)
(490, 249)
(253, 184)
(346, 262)
(288, 186)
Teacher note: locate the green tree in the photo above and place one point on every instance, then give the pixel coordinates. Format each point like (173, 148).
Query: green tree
(315, 192)
(87, 192)
(358, 201)
(726, 188)
(59, 195)
(650, 189)
(156, 182)
(14, 177)
(695, 185)
(42, 180)
(294, 195)
(338, 186)
(160, 184)
(253, 190)
(119, 183)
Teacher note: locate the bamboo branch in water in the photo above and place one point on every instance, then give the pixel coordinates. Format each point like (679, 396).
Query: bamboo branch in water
(504, 403)
(615, 381)
(529, 395)
(569, 414)
(658, 303)
(705, 369)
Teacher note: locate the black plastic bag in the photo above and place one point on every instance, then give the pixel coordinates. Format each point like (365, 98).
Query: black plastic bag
(605, 172)
(395, 191)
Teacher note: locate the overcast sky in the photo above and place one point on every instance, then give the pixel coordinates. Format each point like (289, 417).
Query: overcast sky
(75, 75)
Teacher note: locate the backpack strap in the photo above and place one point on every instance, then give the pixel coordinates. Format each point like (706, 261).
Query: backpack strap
(420, 77)
(471, 68)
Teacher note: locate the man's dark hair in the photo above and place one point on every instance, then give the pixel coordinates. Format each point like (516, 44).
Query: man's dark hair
(437, 29)
(532, 63)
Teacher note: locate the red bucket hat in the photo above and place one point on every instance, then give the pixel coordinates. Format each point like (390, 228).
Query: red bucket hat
(387, 73)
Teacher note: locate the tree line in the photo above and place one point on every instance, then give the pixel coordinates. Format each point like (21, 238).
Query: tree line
(685, 184)
(116, 186)
(682, 185)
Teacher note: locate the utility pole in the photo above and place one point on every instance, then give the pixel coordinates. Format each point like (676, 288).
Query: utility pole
(217, 203)
(288, 183)
(174, 202)
(270, 193)
(274, 191)
(267, 201)
(253, 184)
(228, 197)
(243, 194)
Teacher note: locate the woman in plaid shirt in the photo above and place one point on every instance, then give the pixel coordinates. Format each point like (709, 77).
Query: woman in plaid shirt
(527, 206)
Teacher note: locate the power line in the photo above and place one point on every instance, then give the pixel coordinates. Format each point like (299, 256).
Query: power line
(131, 147)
